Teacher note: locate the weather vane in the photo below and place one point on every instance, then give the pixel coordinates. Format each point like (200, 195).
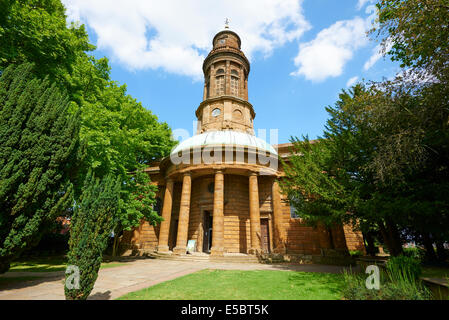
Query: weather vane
(227, 23)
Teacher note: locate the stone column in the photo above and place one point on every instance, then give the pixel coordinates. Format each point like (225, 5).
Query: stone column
(218, 216)
(184, 211)
(254, 213)
(166, 215)
(279, 245)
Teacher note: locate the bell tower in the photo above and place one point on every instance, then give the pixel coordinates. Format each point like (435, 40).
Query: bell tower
(225, 103)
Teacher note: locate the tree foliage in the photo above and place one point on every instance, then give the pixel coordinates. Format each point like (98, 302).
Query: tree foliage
(418, 33)
(137, 201)
(117, 133)
(313, 190)
(39, 141)
(92, 225)
(36, 31)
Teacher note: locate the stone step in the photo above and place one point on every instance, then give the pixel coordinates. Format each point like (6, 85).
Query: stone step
(205, 258)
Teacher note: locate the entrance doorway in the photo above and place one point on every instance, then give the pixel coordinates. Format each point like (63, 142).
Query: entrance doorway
(265, 235)
(207, 228)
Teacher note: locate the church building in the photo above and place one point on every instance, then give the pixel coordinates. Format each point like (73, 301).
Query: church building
(219, 191)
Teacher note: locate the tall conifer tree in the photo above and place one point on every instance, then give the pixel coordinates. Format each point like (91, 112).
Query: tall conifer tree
(92, 224)
(39, 142)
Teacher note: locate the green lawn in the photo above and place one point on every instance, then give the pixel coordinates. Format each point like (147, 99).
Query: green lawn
(47, 264)
(245, 285)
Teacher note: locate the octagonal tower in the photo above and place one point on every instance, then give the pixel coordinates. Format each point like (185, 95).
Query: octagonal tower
(225, 103)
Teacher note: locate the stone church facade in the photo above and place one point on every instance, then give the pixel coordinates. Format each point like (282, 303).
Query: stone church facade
(219, 190)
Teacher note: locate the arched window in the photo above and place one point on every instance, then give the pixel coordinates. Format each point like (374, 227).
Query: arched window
(220, 84)
(234, 86)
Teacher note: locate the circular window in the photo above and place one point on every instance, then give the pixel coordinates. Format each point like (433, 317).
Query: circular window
(216, 112)
(210, 187)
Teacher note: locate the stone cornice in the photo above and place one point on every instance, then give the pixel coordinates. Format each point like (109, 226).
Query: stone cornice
(225, 51)
(222, 98)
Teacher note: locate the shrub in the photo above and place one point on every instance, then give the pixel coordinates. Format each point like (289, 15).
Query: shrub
(403, 266)
(396, 283)
(415, 253)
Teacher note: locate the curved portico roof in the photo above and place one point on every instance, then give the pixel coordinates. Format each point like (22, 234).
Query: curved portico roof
(225, 138)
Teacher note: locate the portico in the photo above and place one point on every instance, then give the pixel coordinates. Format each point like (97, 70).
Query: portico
(215, 208)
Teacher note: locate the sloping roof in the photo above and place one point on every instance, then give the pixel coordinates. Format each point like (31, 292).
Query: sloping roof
(225, 138)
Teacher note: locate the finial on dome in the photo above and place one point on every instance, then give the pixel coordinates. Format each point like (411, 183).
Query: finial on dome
(227, 23)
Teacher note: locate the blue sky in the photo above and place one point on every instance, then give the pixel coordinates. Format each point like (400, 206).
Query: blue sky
(302, 54)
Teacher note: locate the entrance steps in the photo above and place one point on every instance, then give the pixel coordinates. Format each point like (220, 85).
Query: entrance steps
(204, 257)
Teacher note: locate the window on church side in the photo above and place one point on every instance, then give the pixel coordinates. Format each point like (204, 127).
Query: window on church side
(293, 213)
(220, 85)
(235, 86)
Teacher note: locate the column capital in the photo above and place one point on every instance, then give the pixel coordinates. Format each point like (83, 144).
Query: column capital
(253, 173)
(187, 173)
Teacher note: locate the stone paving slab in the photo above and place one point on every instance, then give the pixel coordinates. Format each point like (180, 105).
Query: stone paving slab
(115, 282)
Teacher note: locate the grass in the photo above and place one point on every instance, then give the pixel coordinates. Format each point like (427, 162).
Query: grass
(245, 285)
(49, 264)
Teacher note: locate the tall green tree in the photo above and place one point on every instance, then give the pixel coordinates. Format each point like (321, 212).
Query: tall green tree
(92, 225)
(119, 134)
(416, 31)
(36, 31)
(39, 142)
(137, 202)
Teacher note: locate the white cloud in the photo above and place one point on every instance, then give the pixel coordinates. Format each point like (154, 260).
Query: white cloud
(352, 81)
(176, 35)
(373, 59)
(376, 55)
(326, 55)
(362, 3)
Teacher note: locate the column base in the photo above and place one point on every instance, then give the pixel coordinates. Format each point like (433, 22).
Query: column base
(254, 251)
(180, 250)
(281, 250)
(163, 249)
(216, 252)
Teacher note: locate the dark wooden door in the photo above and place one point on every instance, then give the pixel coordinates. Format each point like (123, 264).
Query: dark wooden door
(207, 228)
(265, 235)
(173, 234)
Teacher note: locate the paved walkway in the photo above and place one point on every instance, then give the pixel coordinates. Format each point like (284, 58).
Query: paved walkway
(115, 282)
